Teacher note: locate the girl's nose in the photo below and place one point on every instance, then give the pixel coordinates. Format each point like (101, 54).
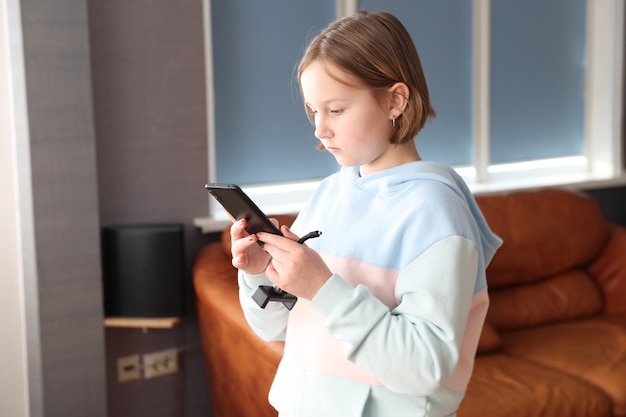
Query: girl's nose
(322, 130)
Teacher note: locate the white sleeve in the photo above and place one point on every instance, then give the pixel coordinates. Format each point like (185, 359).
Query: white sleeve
(269, 323)
(415, 348)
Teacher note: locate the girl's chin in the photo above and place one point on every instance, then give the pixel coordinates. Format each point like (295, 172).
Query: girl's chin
(346, 163)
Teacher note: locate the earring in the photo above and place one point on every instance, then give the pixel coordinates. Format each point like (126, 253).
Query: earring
(393, 122)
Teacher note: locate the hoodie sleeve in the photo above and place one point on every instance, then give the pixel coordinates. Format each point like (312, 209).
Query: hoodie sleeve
(269, 323)
(421, 339)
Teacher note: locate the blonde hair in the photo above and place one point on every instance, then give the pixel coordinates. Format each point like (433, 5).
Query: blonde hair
(378, 51)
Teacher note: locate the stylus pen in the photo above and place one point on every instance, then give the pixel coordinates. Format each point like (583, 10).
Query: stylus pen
(310, 235)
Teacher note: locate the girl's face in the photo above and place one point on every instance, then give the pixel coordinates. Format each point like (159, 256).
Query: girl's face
(349, 121)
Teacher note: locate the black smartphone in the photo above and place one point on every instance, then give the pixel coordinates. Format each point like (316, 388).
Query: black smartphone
(237, 203)
(240, 206)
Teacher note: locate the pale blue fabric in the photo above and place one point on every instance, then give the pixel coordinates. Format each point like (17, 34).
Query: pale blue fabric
(421, 220)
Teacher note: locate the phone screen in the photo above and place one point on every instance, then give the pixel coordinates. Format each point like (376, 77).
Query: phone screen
(240, 206)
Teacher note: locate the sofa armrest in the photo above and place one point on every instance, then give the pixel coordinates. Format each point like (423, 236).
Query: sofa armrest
(609, 270)
(240, 365)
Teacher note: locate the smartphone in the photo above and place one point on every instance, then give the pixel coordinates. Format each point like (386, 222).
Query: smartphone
(237, 203)
(240, 206)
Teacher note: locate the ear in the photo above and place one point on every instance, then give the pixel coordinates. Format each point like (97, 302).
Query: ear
(398, 99)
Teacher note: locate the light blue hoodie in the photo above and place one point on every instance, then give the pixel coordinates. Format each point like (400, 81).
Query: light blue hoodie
(394, 331)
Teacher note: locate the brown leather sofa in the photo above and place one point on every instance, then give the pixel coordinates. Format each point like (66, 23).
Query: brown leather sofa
(554, 343)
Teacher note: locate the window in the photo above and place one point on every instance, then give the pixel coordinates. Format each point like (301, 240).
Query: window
(262, 133)
(537, 80)
(527, 93)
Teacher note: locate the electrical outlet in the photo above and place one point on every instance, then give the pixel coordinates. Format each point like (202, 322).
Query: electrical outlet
(160, 363)
(128, 368)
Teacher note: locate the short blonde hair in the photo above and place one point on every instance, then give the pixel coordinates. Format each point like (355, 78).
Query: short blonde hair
(378, 51)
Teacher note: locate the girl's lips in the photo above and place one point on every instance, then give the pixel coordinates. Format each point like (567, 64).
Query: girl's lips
(332, 150)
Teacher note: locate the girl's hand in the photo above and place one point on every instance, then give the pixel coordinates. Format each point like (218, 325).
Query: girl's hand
(294, 267)
(247, 254)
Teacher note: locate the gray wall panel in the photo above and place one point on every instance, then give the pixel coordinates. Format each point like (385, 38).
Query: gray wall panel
(150, 119)
(65, 207)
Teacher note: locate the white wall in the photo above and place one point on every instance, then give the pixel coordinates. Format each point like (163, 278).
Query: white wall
(13, 361)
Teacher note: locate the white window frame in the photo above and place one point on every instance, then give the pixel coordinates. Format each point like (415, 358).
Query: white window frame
(601, 166)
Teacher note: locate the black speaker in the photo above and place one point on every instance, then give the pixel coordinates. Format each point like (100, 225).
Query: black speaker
(142, 270)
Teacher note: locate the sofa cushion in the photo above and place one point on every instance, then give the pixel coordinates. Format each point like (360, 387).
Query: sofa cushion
(545, 232)
(565, 296)
(503, 386)
(592, 350)
(489, 340)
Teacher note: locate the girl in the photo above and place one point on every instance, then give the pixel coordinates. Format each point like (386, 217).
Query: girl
(393, 295)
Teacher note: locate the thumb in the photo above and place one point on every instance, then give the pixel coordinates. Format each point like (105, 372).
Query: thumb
(288, 233)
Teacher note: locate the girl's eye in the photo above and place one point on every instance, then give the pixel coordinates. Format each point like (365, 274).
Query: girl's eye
(336, 111)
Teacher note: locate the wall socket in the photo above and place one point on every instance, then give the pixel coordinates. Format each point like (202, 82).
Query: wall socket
(160, 363)
(128, 368)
